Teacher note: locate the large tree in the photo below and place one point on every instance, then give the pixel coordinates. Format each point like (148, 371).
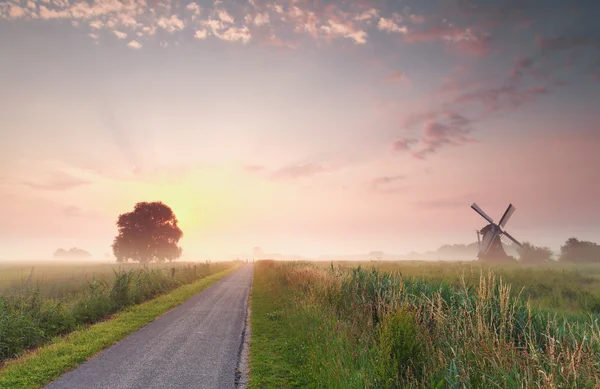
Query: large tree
(581, 251)
(148, 233)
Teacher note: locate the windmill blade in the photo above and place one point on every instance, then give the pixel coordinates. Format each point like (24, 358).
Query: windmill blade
(511, 238)
(507, 214)
(483, 214)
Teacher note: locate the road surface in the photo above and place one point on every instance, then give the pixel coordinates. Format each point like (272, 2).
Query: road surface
(195, 345)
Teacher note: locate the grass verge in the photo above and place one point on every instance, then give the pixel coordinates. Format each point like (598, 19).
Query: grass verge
(48, 363)
(342, 328)
(276, 355)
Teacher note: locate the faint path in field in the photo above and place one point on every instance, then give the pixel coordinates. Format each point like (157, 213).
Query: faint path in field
(195, 345)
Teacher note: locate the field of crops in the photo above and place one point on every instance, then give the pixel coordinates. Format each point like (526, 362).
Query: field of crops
(41, 301)
(425, 325)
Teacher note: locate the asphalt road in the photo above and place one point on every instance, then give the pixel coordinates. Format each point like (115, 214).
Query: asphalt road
(195, 345)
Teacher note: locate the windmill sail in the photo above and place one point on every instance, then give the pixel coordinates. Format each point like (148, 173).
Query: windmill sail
(483, 214)
(507, 214)
(511, 238)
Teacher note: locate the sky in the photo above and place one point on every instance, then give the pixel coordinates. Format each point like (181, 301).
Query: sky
(304, 127)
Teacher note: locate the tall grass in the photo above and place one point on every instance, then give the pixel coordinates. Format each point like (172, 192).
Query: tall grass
(372, 328)
(29, 318)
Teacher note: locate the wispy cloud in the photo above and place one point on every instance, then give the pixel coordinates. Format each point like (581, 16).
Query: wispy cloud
(58, 182)
(298, 171)
(76, 212)
(438, 130)
(396, 76)
(387, 184)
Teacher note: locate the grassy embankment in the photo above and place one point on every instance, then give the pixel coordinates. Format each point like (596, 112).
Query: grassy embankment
(343, 327)
(28, 320)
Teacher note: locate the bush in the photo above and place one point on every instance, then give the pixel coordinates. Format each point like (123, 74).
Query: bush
(533, 254)
(400, 348)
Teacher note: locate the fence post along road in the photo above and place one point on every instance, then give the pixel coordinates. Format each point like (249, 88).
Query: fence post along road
(195, 345)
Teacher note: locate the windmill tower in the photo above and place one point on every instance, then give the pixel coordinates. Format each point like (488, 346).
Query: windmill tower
(490, 237)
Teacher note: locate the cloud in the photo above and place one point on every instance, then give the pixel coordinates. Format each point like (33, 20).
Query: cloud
(367, 15)
(194, 8)
(96, 24)
(389, 25)
(417, 19)
(134, 45)
(120, 35)
(171, 24)
(227, 33)
(16, 12)
(471, 40)
(385, 180)
(564, 42)
(225, 17)
(76, 212)
(294, 172)
(259, 19)
(439, 129)
(522, 64)
(233, 34)
(403, 144)
(200, 34)
(387, 184)
(58, 182)
(503, 97)
(396, 76)
(344, 30)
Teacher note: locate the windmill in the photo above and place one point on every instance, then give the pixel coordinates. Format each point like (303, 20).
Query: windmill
(491, 237)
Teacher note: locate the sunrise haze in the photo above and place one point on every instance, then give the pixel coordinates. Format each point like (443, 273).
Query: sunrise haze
(301, 127)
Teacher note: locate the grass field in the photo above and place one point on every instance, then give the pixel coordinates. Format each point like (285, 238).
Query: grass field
(38, 368)
(42, 301)
(424, 325)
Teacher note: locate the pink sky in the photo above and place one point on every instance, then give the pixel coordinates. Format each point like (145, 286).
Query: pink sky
(301, 127)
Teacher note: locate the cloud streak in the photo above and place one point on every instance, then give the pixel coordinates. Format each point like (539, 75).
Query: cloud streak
(58, 182)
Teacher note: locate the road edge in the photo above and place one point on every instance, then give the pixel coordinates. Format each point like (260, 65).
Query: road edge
(242, 370)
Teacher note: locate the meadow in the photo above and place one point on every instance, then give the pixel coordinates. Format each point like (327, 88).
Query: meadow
(425, 325)
(41, 301)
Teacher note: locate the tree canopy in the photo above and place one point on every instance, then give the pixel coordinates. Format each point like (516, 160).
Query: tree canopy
(529, 253)
(73, 252)
(148, 233)
(575, 250)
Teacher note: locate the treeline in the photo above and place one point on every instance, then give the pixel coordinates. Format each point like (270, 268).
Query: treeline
(573, 251)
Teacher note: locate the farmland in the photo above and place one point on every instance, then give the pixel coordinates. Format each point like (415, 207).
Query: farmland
(425, 325)
(41, 301)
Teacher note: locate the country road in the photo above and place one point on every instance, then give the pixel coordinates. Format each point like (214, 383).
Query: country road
(195, 345)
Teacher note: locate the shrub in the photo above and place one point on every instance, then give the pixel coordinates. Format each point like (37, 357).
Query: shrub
(400, 348)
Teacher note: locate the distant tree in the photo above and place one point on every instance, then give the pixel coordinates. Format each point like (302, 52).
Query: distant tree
(529, 253)
(376, 255)
(580, 251)
(148, 233)
(72, 253)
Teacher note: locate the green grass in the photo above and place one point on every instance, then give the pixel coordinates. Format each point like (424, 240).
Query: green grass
(275, 360)
(48, 363)
(350, 327)
(29, 317)
(67, 281)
